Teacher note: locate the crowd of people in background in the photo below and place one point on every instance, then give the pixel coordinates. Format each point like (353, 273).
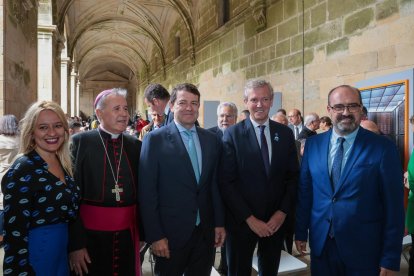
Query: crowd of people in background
(83, 195)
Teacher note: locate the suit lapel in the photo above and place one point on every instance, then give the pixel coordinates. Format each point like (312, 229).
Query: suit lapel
(174, 137)
(324, 149)
(274, 136)
(356, 150)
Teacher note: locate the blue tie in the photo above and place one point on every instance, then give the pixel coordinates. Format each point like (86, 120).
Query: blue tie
(192, 152)
(264, 149)
(337, 162)
(336, 173)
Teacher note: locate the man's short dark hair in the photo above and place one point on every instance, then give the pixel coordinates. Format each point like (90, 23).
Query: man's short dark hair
(184, 87)
(156, 91)
(281, 110)
(74, 124)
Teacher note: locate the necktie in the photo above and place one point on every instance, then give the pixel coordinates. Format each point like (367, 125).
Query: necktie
(337, 162)
(264, 149)
(192, 152)
(296, 132)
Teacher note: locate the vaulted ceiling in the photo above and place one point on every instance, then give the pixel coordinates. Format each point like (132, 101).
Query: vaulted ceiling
(119, 35)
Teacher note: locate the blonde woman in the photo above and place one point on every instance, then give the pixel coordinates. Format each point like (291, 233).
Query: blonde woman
(40, 196)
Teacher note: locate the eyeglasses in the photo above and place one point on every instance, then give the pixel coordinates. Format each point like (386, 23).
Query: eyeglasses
(340, 108)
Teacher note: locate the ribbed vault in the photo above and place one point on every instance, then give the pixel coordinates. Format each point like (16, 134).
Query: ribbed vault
(128, 32)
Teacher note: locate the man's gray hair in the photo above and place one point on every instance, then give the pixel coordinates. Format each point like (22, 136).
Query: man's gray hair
(114, 91)
(256, 83)
(232, 106)
(311, 117)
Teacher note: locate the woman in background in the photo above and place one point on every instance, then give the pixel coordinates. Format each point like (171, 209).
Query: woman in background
(325, 123)
(9, 146)
(40, 196)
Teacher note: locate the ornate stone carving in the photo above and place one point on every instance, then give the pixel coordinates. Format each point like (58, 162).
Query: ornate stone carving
(23, 13)
(259, 14)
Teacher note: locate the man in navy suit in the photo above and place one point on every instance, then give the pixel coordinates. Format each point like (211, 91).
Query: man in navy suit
(226, 117)
(258, 175)
(182, 211)
(350, 195)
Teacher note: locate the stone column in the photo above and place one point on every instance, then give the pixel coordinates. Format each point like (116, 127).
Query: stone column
(45, 61)
(77, 97)
(64, 70)
(72, 92)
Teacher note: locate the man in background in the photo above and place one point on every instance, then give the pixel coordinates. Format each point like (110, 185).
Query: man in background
(226, 117)
(311, 125)
(295, 122)
(157, 98)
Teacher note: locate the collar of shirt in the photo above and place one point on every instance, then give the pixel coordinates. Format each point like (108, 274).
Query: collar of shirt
(333, 146)
(267, 134)
(113, 135)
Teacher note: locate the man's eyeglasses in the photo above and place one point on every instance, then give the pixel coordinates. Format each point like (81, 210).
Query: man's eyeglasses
(340, 108)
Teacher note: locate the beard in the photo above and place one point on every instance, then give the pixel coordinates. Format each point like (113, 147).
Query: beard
(345, 127)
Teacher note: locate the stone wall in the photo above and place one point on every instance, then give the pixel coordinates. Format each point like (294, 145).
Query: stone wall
(303, 54)
(19, 56)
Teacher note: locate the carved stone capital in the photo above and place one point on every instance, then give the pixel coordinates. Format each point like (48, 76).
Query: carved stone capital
(259, 14)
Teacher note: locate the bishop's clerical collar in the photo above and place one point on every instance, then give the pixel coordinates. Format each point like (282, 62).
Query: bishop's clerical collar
(113, 135)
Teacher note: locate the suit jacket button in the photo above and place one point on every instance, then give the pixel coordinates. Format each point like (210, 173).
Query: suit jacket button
(334, 199)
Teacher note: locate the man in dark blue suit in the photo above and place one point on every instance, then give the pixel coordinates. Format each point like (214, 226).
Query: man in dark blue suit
(350, 195)
(258, 175)
(181, 209)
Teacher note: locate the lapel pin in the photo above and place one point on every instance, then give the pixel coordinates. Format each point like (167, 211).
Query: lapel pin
(276, 137)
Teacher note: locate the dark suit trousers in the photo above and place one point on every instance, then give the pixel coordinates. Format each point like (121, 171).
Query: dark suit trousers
(240, 248)
(330, 263)
(196, 258)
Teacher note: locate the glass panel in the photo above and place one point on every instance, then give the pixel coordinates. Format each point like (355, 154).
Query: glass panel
(377, 92)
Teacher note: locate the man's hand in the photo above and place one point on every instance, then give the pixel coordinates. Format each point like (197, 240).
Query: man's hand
(276, 221)
(79, 260)
(160, 248)
(406, 184)
(301, 247)
(387, 272)
(259, 227)
(220, 236)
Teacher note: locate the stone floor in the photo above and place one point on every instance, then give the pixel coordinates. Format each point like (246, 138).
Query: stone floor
(146, 267)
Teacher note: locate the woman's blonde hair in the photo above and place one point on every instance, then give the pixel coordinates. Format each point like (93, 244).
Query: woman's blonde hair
(27, 127)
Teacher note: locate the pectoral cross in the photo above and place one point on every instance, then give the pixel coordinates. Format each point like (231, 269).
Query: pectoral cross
(117, 192)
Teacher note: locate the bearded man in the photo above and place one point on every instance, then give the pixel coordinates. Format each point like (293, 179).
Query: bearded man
(350, 195)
